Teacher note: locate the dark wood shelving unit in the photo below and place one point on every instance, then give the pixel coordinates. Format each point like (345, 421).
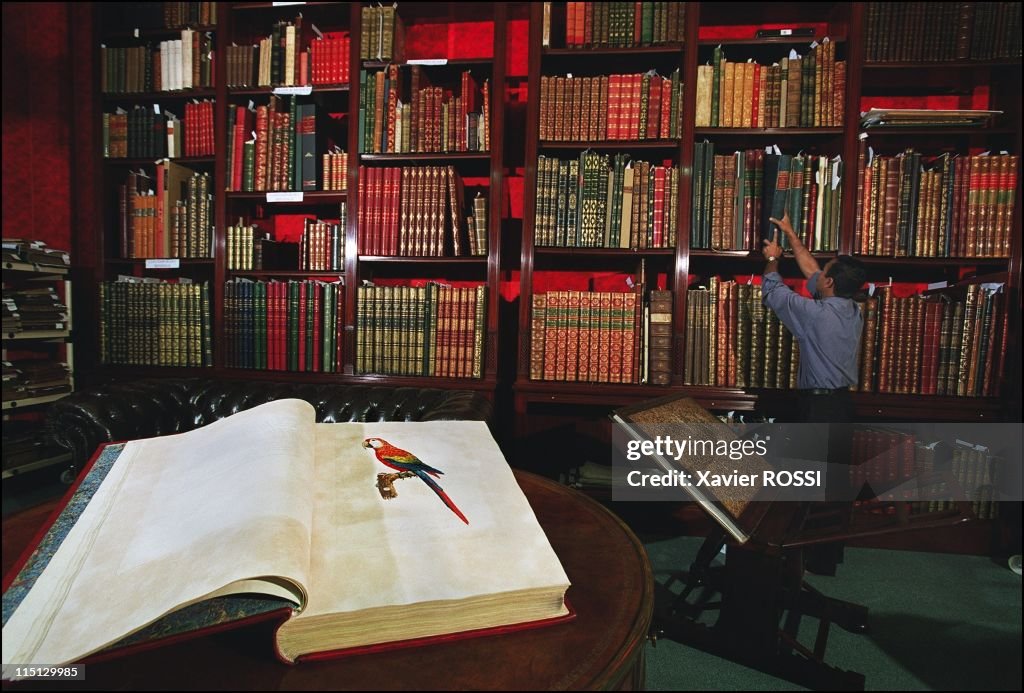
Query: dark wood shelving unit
(309, 197)
(846, 23)
(285, 273)
(421, 260)
(429, 156)
(237, 22)
(768, 41)
(842, 21)
(143, 161)
(181, 95)
(184, 261)
(611, 144)
(602, 252)
(157, 32)
(266, 91)
(770, 132)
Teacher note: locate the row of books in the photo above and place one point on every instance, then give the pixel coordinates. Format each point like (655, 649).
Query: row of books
(381, 34)
(941, 31)
(946, 344)
(592, 336)
(145, 132)
(605, 201)
(183, 14)
(432, 330)
(732, 340)
(30, 378)
(912, 205)
(977, 473)
(185, 63)
(883, 458)
(334, 176)
(808, 91)
(167, 215)
(620, 24)
(290, 58)
(244, 245)
(734, 195)
(419, 211)
(322, 244)
(932, 475)
(149, 322)
(284, 326)
(401, 112)
(636, 106)
(287, 150)
(33, 310)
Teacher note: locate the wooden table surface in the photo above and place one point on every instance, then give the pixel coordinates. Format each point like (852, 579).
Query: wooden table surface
(603, 647)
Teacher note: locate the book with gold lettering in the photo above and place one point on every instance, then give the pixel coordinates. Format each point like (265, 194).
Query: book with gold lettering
(352, 535)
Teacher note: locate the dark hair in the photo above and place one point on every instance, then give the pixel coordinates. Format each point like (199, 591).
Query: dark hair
(847, 275)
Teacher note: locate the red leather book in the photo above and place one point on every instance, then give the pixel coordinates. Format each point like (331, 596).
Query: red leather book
(757, 100)
(659, 206)
(270, 325)
(362, 216)
(317, 290)
(303, 312)
(653, 107)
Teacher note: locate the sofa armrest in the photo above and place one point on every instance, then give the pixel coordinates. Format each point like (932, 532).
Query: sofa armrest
(82, 421)
(459, 404)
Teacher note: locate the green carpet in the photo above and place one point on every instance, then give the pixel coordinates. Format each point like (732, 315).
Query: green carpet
(938, 622)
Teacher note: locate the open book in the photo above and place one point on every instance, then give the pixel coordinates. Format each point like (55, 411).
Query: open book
(353, 525)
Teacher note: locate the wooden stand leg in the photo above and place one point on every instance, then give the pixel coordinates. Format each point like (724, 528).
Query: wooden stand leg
(757, 589)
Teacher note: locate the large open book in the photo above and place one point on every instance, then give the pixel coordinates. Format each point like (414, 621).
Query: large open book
(372, 533)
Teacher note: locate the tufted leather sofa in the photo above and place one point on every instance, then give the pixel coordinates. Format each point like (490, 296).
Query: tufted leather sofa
(154, 407)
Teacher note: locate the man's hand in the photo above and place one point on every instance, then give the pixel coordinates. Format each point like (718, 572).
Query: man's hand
(772, 250)
(784, 223)
(804, 260)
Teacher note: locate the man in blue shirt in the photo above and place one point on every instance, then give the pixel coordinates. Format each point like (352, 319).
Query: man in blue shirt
(827, 326)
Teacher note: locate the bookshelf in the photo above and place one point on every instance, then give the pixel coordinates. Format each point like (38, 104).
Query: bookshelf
(264, 214)
(39, 361)
(869, 80)
(156, 130)
(980, 81)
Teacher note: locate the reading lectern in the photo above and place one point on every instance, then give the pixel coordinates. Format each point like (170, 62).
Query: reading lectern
(759, 594)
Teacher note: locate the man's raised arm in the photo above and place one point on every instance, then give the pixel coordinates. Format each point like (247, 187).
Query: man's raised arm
(808, 265)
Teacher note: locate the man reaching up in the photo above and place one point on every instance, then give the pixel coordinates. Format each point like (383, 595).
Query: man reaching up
(827, 326)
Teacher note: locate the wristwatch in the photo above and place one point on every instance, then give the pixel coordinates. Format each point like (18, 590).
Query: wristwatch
(772, 258)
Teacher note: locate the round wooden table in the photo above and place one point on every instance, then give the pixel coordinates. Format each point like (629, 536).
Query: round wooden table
(602, 648)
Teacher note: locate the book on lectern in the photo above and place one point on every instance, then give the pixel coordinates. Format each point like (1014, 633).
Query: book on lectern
(358, 536)
(738, 509)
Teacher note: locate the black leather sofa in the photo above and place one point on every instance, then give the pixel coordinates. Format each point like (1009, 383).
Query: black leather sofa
(154, 407)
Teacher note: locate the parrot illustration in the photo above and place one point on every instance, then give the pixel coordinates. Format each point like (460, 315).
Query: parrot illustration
(407, 465)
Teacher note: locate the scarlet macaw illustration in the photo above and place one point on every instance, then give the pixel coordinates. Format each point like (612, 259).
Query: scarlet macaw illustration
(407, 465)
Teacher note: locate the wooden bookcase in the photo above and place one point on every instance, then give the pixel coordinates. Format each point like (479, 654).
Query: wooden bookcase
(706, 26)
(245, 24)
(541, 404)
